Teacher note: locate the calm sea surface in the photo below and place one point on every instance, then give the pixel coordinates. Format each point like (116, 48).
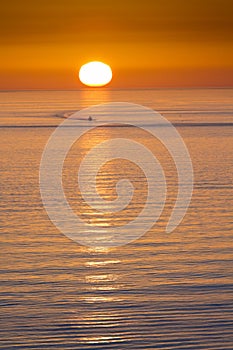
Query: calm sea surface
(162, 291)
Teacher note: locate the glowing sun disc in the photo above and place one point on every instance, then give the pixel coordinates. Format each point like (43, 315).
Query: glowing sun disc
(95, 74)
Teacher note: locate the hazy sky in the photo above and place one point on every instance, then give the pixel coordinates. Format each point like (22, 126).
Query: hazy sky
(147, 43)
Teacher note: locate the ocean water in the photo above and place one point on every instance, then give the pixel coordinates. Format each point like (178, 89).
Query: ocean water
(161, 291)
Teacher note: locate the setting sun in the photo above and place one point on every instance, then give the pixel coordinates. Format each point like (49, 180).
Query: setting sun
(95, 74)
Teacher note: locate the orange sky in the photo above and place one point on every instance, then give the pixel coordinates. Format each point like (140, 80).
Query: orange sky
(159, 43)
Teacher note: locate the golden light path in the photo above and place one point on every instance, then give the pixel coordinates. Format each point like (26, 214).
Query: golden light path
(95, 74)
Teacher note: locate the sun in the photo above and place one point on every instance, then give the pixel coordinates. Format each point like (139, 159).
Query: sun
(95, 74)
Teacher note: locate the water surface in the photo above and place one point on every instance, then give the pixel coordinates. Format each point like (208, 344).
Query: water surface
(163, 291)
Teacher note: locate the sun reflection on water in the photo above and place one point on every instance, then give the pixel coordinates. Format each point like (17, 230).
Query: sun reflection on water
(94, 96)
(102, 280)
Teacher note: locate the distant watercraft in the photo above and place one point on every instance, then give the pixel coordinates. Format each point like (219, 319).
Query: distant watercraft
(67, 115)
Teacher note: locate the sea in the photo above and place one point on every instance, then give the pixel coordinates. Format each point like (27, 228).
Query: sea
(161, 290)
